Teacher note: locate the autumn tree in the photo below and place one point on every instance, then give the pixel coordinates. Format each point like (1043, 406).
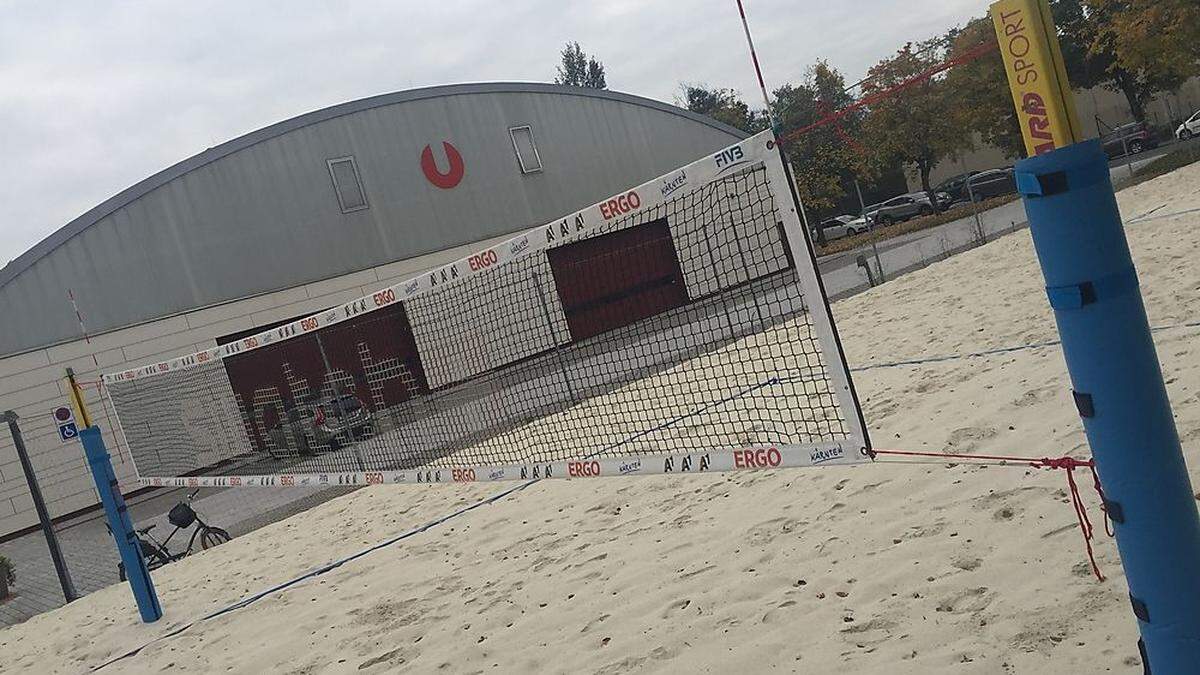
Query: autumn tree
(1115, 44)
(580, 70)
(723, 105)
(1159, 39)
(919, 124)
(981, 88)
(824, 157)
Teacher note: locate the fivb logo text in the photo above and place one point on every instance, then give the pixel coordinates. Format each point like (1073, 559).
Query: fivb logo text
(729, 158)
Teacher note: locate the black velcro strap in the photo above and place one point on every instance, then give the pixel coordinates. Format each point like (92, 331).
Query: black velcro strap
(1140, 610)
(1114, 511)
(1083, 403)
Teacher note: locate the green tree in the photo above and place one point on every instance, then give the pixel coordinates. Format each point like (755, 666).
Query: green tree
(1159, 39)
(580, 70)
(723, 105)
(981, 87)
(1117, 44)
(826, 157)
(917, 125)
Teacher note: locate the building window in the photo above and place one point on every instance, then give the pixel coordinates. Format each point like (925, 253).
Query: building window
(347, 184)
(527, 153)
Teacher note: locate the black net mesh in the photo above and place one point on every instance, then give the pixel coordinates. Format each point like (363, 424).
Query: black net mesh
(681, 327)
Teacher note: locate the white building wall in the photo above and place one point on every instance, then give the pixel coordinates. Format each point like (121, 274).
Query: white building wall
(31, 383)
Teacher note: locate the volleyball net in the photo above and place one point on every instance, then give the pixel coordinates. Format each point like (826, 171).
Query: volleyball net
(678, 326)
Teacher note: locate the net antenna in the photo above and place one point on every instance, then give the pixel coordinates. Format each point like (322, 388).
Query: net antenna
(772, 120)
(679, 326)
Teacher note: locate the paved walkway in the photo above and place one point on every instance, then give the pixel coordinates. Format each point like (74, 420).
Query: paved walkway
(92, 558)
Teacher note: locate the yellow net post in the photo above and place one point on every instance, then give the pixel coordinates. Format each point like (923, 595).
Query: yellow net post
(1037, 75)
(77, 400)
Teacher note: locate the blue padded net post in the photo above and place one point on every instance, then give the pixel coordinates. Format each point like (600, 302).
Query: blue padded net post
(1119, 392)
(121, 524)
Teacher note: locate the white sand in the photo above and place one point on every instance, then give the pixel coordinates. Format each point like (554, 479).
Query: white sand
(876, 569)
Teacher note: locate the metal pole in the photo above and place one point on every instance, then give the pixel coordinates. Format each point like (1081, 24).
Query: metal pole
(772, 120)
(878, 262)
(862, 206)
(863, 214)
(121, 524)
(1128, 157)
(39, 504)
(1119, 392)
(562, 366)
(975, 211)
(762, 322)
(720, 292)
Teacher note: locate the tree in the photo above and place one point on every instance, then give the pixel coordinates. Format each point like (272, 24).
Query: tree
(981, 87)
(824, 158)
(723, 105)
(579, 69)
(920, 124)
(1120, 45)
(1158, 39)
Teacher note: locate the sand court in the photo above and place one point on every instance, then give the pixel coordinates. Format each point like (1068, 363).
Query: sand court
(881, 568)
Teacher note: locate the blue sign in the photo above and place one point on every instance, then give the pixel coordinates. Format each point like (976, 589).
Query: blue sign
(67, 431)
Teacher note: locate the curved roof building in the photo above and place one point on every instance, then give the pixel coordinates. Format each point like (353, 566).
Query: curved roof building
(340, 190)
(297, 217)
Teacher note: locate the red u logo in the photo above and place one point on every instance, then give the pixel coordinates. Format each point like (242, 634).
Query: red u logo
(448, 179)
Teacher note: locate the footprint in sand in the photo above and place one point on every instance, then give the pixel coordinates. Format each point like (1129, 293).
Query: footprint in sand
(766, 532)
(966, 439)
(1035, 396)
(966, 602)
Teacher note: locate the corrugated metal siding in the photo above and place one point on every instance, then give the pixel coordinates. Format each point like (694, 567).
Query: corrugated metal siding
(266, 217)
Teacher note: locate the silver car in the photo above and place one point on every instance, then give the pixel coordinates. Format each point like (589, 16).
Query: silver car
(899, 209)
(318, 425)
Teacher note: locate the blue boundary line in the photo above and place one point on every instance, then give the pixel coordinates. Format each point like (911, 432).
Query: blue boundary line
(997, 350)
(664, 425)
(317, 572)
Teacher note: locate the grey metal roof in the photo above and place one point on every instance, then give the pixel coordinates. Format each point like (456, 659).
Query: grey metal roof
(140, 189)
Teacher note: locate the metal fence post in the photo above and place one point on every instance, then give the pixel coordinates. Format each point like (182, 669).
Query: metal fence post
(121, 524)
(1120, 394)
(39, 504)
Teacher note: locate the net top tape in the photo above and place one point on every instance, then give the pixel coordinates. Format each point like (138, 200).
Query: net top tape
(747, 153)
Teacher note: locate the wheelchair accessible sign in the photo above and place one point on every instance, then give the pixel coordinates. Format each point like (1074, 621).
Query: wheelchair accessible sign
(64, 419)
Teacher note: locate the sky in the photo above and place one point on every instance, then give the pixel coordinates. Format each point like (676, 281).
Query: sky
(97, 95)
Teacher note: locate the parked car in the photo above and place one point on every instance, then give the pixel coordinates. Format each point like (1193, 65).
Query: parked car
(955, 187)
(990, 183)
(1189, 128)
(320, 424)
(898, 209)
(840, 226)
(1132, 138)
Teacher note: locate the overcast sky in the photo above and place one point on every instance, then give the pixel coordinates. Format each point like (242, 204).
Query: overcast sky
(95, 96)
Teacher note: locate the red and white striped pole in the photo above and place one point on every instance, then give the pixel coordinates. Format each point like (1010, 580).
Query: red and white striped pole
(762, 87)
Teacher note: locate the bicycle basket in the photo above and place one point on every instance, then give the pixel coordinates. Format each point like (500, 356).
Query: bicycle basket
(181, 515)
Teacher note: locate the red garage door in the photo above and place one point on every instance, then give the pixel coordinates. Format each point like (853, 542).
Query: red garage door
(617, 279)
(375, 350)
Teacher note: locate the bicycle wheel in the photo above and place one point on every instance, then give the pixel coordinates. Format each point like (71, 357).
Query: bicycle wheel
(212, 536)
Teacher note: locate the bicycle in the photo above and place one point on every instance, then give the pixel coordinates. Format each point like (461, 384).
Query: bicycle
(182, 516)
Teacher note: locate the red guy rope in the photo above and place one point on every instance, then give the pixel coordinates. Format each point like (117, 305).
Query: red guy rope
(1069, 464)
